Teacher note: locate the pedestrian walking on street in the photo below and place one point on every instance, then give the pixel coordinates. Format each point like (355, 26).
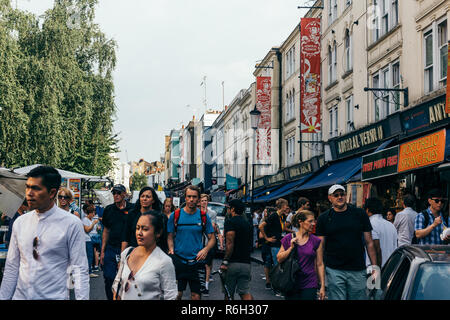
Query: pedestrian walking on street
(147, 200)
(90, 225)
(22, 209)
(236, 262)
(114, 222)
(310, 284)
(146, 272)
(404, 220)
(46, 244)
(384, 234)
(302, 204)
(266, 254)
(168, 207)
(204, 199)
(65, 197)
(430, 223)
(186, 228)
(345, 231)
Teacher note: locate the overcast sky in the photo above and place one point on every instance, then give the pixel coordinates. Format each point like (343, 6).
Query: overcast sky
(166, 47)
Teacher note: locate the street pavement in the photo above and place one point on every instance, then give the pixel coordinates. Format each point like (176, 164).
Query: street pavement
(257, 286)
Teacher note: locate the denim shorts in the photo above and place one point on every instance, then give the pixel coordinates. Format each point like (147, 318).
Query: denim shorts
(346, 285)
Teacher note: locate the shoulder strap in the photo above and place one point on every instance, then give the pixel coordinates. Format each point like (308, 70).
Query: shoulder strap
(129, 252)
(427, 218)
(176, 217)
(203, 217)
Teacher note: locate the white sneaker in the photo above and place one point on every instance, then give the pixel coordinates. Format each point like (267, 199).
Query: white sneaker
(93, 275)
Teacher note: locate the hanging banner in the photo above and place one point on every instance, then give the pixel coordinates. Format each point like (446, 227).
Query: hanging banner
(263, 133)
(310, 88)
(447, 107)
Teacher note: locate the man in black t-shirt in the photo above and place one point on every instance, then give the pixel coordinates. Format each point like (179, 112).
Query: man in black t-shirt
(346, 230)
(236, 262)
(114, 222)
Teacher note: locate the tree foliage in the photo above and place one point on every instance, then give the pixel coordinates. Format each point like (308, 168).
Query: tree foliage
(138, 181)
(56, 89)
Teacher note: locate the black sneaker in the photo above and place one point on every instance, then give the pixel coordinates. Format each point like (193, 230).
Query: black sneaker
(268, 286)
(205, 292)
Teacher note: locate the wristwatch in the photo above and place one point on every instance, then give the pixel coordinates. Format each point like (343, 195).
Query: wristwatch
(225, 262)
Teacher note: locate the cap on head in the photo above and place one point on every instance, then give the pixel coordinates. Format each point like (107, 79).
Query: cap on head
(119, 187)
(334, 188)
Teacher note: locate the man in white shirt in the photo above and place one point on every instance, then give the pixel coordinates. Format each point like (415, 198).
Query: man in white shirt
(46, 245)
(404, 220)
(384, 234)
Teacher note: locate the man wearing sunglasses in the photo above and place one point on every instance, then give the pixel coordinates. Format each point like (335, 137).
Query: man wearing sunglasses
(346, 232)
(45, 244)
(430, 223)
(114, 222)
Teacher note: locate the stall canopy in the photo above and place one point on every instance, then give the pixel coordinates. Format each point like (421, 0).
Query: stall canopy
(12, 191)
(337, 173)
(64, 173)
(285, 190)
(260, 192)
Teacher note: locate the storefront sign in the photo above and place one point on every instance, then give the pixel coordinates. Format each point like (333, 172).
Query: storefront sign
(360, 140)
(380, 164)
(425, 116)
(422, 152)
(263, 133)
(258, 183)
(277, 178)
(231, 182)
(300, 170)
(310, 65)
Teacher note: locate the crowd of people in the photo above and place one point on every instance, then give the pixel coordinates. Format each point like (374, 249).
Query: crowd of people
(152, 250)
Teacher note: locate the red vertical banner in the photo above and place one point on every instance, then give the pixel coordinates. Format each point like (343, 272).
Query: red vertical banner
(447, 105)
(263, 104)
(310, 89)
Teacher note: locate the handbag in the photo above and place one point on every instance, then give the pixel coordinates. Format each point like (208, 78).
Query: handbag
(120, 287)
(282, 276)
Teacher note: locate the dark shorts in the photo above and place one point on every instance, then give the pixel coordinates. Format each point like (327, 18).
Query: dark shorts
(192, 274)
(210, 256)
(266, 255)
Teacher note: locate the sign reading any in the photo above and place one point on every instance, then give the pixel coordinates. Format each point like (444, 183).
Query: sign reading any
(422, 152)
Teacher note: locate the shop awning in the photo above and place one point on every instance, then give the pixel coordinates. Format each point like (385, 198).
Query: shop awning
(283, 191)
(337, 173)
(260, 192)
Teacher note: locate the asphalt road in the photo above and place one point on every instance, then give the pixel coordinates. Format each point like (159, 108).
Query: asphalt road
(257, 286)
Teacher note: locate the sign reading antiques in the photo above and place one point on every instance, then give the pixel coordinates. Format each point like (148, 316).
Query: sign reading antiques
(380, 164)
(422, 152)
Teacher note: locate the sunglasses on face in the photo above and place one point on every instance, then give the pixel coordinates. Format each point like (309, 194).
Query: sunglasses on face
(116, 192)
(130, 278)
(439, 200)
(63, 197)
(338, 195)
(35, 252)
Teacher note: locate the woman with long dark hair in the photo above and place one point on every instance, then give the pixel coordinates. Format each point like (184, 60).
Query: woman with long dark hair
(146, 272)
(147, 201)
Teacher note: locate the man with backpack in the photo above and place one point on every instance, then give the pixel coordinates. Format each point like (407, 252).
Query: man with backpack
(431, 222)
(185, 229)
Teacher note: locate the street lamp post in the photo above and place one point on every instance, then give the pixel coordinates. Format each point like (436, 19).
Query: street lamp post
(255, 115)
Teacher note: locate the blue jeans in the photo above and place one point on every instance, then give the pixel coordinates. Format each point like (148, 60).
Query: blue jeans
(110, 263)
(90, 254)
(274, 251)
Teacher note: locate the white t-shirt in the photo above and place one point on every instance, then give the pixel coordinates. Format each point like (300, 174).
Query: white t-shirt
(385, 232)
(88, 223)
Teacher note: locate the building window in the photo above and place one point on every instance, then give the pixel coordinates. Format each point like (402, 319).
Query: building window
(290, 150)
(385, 17)
(349, 107)
(348, 51)
(332, 63)
(290, 62)
(334, 121)
(332, 11)
(290, 105)
(386, 102)
(435, 56)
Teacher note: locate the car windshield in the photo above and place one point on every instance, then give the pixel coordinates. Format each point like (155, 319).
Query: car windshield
(218, 208)
(432, 282)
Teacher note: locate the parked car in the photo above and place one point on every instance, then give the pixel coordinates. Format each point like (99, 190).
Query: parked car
(416, 273)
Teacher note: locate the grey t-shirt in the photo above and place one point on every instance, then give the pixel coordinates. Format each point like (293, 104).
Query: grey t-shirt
(212, 215)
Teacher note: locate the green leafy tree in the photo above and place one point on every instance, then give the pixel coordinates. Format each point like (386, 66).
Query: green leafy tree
(56, 88)
(138, 181)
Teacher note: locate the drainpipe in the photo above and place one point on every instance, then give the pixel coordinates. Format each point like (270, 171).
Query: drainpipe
(280, 101)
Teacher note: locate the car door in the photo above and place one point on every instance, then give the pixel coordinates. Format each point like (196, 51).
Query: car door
(396, 284)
